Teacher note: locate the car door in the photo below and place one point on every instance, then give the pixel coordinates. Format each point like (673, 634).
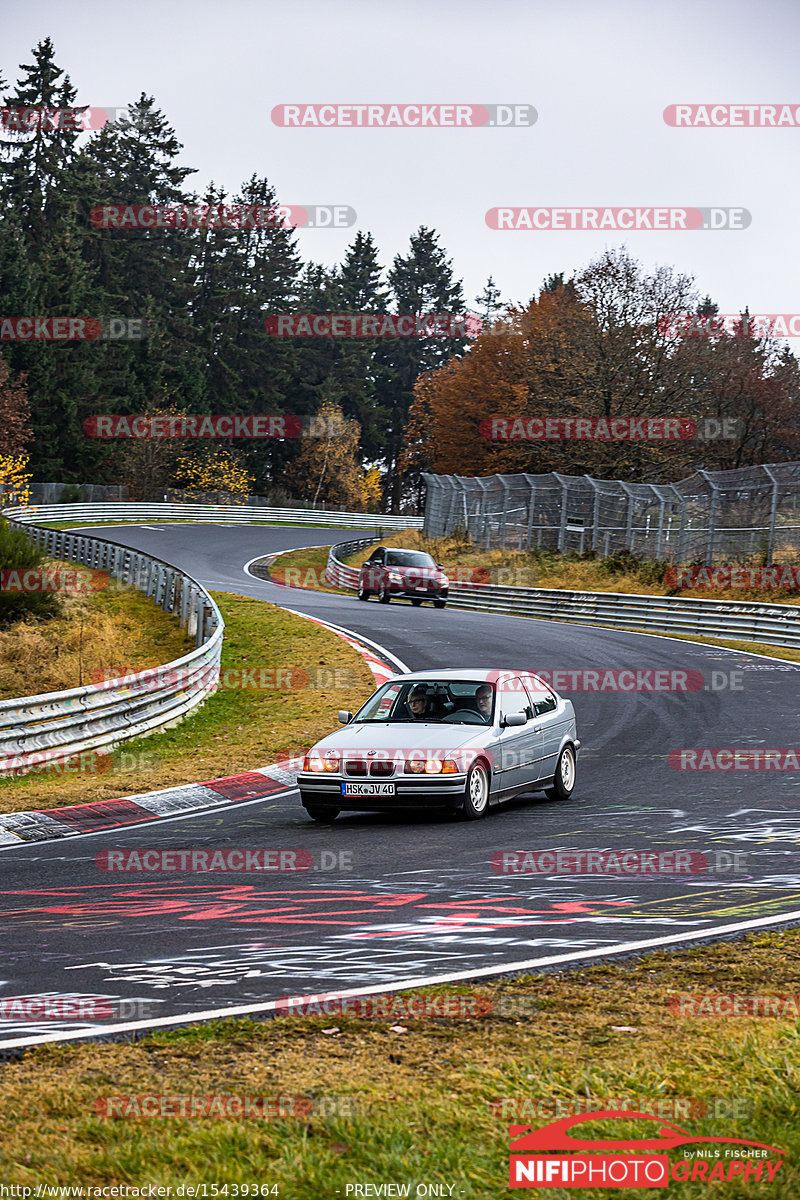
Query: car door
(374, 568)
(549, 721)
(520, 746)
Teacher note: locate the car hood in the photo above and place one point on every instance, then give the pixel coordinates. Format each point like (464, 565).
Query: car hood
(421, 573)
(402, 736)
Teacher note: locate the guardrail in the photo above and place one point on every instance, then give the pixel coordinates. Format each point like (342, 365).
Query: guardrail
(225, 513)
(774, 625)
(59, 725)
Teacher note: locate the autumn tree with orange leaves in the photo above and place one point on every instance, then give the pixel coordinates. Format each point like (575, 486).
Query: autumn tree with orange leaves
(597, 346)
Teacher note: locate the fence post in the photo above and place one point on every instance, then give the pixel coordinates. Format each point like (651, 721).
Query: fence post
(772, 516)
(531, 510)
(712, 517)
(562, 524)
(661, 507)
(595, 512)
(504, 518)
(629, 521)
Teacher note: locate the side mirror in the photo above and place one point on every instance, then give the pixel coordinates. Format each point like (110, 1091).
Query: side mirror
(440, 566)
(514, 719)
(345, 716)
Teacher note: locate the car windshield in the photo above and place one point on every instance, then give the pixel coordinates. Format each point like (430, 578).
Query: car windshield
(445, 701)
(408, 558)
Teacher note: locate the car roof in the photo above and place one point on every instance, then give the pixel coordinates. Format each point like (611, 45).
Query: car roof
(465, 673)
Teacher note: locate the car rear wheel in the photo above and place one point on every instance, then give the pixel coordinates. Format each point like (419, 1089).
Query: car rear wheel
(364, 594)
(383, 596)
(476, 792)
(322, 812)
(564, 780)
(439, 603)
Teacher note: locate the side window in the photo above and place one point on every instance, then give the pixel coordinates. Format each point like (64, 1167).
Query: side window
(543, 702)
(513, 698)
(377, 557)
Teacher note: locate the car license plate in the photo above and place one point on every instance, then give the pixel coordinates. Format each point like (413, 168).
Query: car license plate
(367, 789)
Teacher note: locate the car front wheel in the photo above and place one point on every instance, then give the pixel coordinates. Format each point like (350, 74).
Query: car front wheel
(364, 593)
(439, 603)
(564, 780)
(322, 812)
(476, 792)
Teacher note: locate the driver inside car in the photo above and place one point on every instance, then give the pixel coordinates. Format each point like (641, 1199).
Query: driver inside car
(483, 701)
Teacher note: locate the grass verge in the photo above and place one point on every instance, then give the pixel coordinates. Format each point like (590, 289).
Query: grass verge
(282, 681)
(413, 1100)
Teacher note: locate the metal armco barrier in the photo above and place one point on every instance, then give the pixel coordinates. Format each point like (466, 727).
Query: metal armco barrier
(226, 513)
(336, 572)
(57, 725)
(774, 625)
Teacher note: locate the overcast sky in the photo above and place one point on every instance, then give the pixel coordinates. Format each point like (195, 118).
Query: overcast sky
(598, 74)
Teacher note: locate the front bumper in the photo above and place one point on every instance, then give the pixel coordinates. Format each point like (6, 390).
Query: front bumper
(411, 593)
(411, 791)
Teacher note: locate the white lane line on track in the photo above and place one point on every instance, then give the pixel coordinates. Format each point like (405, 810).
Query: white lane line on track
(403, 984)
(358, 637)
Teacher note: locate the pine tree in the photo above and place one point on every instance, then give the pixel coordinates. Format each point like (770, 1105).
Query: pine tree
(422, 283)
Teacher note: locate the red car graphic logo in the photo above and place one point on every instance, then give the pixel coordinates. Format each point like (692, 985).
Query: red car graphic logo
(556, 1136)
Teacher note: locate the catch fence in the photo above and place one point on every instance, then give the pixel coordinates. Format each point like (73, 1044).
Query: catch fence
(712, 516)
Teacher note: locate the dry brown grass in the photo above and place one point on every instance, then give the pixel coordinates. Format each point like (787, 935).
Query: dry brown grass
(236, 729)
(117, 630)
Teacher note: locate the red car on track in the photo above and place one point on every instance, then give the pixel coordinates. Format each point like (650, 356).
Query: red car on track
(396, 574)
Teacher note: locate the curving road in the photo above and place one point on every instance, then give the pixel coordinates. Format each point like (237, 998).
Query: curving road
(421, 899)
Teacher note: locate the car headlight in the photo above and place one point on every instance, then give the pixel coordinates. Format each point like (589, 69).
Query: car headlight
(317, 764)
(431, 766)
(394, 577)
(444, 581)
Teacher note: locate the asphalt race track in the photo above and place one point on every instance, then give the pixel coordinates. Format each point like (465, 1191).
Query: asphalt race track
(422, 900)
